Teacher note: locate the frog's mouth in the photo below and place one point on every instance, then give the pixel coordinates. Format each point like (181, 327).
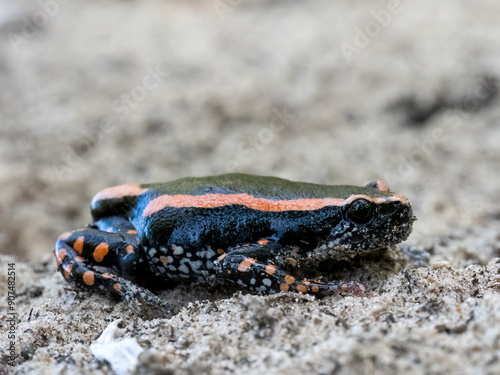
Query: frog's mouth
(380, 236)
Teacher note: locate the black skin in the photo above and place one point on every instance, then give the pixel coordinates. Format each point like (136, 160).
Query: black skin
(189, 238)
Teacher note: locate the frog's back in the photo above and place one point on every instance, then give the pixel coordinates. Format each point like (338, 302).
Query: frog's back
(143, 200)
(257, 186)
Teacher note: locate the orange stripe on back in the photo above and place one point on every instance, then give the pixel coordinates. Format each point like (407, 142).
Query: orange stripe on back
(262, 204)
(118, 192)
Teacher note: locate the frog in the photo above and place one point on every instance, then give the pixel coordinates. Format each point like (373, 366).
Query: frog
(260, 233)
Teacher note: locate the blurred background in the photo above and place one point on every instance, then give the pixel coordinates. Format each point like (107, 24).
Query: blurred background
(100, 93)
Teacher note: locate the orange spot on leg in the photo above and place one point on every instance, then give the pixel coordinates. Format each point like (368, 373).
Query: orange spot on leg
(284, 287)
(88, 278)
(79, 259)
(302, 288)
(60, 254)
(67, 270)
(78, 245)
(130, 249)
(132, 231)
(263, 242)
(289, 279)
(100, 251)
(315, 288)
(246, 264)
(65, 236)
(270, 269)
(220, 251)
(107, 275)
(117, 287)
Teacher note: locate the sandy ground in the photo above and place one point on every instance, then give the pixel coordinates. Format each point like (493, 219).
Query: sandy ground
(99, 93)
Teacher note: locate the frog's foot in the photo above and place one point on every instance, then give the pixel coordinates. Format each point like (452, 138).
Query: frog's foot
(241, 268)
(90, 258)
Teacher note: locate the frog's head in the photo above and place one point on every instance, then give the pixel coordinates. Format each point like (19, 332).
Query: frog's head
(372, 219)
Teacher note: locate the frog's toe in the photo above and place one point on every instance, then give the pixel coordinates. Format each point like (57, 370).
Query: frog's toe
(324, 289)
(142, 298)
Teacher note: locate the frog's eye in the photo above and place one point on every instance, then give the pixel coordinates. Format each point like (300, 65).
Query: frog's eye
(361, 211)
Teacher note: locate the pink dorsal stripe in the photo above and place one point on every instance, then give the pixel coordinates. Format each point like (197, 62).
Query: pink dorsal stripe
(262, 204)
(119, 191)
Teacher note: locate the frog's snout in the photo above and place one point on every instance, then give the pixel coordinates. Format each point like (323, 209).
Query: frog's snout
(403, 219)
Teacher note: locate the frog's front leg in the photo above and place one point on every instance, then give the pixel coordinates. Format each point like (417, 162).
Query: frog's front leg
(243, 267)
(105, 258)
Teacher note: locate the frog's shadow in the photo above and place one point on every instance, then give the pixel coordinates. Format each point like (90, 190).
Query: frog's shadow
(370, 269)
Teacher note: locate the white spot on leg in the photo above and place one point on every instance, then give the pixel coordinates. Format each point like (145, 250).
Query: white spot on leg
(240, 282)
(195, 265)
(209, 253)
(183, 268)
(177, 250)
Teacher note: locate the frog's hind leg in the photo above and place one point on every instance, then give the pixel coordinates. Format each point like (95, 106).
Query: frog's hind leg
(95, 259)
(243, 267)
